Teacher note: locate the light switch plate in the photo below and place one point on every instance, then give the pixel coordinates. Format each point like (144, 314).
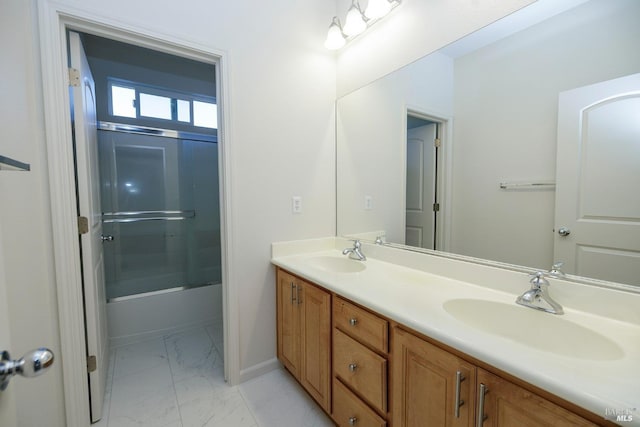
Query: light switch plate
(296, 204)
(368, 203)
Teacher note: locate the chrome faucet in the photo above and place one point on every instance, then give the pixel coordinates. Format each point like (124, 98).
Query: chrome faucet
(538, 296)
(355, 252)
(556, 270)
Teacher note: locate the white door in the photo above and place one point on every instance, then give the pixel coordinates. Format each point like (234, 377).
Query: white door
(86, 138)
(420, 216)
(598, 181)
(7, 402)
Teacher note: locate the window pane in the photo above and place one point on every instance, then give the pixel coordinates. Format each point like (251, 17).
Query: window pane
(205, 114)
(155, 106)
(123, 101)
(184, 115)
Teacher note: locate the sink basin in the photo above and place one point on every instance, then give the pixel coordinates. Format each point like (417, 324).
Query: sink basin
(337, 265)
(542, 331)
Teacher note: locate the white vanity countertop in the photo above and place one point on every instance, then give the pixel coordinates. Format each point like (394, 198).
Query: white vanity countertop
(597, 382)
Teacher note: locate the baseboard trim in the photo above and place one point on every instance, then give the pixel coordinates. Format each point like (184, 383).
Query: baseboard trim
(259, 369)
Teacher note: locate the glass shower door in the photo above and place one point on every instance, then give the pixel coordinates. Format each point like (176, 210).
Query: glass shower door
(150, 207)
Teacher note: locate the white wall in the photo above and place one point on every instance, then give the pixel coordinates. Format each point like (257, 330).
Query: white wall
(371, 148)
(414, 29)
(506, 98)
(282, 92)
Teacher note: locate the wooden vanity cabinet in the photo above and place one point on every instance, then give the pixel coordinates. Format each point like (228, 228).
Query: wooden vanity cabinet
(431, 387)
(508, 405)
(304, 334)
(385, 374)
(429, 383)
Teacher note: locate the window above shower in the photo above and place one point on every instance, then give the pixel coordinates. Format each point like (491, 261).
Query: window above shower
(140, 101)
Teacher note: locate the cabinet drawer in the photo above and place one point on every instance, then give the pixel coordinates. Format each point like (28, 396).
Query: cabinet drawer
(366, 327)
(348, 410)
(361, 369)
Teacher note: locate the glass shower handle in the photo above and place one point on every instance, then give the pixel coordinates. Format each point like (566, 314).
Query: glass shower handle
(107, 238)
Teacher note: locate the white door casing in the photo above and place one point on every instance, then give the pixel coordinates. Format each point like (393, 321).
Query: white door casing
(420, 217)
(598, 180)
(55, 18)
(86, 142)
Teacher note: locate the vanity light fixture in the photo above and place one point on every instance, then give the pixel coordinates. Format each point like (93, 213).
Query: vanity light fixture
(356, 22)
(377, 9)
(335, 37)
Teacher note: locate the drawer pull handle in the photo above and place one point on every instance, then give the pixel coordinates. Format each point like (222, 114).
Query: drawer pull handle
(293, 296)
(353, 421)
(481, 415)
(353, 367)
(459, 402)
(353, 321)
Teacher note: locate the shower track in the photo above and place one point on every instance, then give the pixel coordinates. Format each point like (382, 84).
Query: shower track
(167, 133)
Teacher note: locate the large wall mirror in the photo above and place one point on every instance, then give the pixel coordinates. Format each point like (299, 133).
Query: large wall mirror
(519, 144)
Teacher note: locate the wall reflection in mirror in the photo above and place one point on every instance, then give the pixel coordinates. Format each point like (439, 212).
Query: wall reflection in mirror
(550, 110)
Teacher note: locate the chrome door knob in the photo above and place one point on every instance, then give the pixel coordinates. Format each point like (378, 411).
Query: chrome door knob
(108, 238)
(564, 231)
(32, 364)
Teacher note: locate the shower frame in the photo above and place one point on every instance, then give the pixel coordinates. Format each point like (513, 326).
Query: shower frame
(129, 217)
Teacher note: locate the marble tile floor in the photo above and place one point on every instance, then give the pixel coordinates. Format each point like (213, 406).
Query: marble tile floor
(178, 381)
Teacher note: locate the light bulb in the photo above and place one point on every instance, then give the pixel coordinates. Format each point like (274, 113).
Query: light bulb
(335, 38)
(377, 9)
(354, 23)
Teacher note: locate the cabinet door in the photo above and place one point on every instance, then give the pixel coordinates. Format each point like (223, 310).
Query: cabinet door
(506, 404)
(315, 324)
(288, 324)
(431, 387)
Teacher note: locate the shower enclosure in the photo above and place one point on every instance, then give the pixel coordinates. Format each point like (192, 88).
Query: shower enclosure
(161, 215)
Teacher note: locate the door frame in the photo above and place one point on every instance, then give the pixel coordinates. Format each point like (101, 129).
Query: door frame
(54, 20)
(444, 175)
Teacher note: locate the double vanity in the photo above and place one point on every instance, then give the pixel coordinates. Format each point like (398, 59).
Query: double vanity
(413, 339)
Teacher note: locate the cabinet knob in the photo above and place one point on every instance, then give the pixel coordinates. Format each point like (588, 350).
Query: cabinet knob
(353, 367)
(353, 421)
(353, 321)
